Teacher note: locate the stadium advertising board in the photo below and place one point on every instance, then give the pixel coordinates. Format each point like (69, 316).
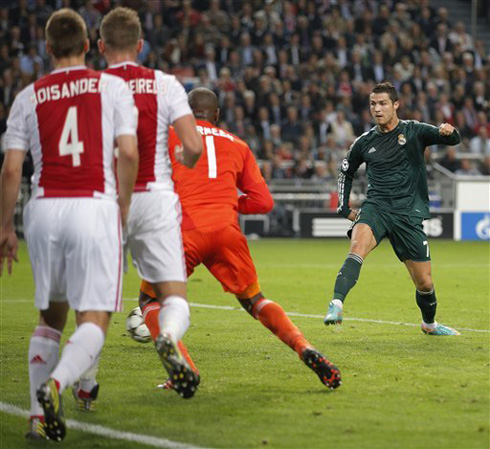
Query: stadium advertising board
(317, 223)
(472, 217)
(474, 225)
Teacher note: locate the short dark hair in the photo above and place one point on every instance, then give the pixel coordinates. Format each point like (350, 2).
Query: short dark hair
(121, 29)
(388, 88)
(66, 33)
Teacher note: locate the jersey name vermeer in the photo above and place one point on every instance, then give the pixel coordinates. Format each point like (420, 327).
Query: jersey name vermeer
(146, 86)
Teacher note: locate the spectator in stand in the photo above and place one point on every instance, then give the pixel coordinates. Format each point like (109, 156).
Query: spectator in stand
(467, 169)
(480, 144)
(450, 160)
(486, 166)
(441, 42)
(342, 130)
(331, 52)
(461, 37)
(291, 127)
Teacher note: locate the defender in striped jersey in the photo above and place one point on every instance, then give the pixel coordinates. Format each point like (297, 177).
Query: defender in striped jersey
(69, 121)
(153, 234)
(397, 201)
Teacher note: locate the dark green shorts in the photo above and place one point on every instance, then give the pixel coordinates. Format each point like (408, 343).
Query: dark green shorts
(406, 233)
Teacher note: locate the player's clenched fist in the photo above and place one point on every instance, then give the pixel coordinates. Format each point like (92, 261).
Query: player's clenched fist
(445, 129)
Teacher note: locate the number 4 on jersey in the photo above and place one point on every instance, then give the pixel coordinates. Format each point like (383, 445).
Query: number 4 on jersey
(69, 144)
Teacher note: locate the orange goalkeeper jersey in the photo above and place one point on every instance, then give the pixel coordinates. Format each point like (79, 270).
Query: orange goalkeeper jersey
(208, 192)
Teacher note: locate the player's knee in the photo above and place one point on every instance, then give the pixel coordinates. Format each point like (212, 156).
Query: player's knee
(145, 299)
(424, 284)
(360, 247)
(249, 303)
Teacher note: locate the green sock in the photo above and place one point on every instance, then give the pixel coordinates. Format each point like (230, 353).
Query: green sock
(427, 303)
(348, 276)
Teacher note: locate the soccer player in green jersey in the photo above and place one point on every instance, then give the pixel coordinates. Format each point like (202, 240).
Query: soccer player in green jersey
(397, 201)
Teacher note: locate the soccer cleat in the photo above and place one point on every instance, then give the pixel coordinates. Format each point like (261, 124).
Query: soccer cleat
(50, 400)
(167, 385)
(438, 329)
(86, 401)
(36, 429)
(326, 371)
(334, 315)
(184, 380)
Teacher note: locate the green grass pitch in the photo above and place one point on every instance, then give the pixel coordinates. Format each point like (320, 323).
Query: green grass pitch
(401, 389)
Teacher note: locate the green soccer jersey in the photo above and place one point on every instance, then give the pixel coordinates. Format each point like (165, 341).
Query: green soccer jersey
(395, 167)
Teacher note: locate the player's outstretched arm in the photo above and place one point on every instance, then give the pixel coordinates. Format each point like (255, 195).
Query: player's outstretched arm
(449, 131)
(127, 170)
(191, 140)
(10, 182)
(445, 134)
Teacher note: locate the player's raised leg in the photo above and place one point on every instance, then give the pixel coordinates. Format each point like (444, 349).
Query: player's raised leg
(362, 243)
(274, 318)
(426, 298)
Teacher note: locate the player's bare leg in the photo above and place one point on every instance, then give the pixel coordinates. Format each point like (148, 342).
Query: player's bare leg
(362, 243)
(273, 317)
(421, 273)
(43, 356)
(174, 320)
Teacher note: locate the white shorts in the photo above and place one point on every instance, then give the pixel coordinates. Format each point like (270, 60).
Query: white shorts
(154, 236)
(76, 253)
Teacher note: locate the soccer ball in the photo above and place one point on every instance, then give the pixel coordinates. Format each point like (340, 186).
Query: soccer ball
(135, 325)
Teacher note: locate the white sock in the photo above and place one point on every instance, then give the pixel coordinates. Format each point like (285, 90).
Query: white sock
(44, 349)
(338, 303)
(79, 354)
(430, 325)
(87, 380)
(174, 317)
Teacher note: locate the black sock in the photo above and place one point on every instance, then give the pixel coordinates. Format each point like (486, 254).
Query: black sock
(427, 303)
(348, 276)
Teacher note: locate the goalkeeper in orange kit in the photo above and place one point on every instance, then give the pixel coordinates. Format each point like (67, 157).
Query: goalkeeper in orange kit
(212, 236)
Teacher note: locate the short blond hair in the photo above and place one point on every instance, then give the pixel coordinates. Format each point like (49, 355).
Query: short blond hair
(121, 29)
(66, 33)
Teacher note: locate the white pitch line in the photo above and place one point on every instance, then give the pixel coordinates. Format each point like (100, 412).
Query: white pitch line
(307, 315)
(106, 431)
(302, 315)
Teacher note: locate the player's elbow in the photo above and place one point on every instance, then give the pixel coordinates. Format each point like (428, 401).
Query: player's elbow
(128, 149)
(192, 152)
(12, 165)
(268, 204)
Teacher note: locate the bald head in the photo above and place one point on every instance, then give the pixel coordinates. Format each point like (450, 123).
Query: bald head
(204, 104)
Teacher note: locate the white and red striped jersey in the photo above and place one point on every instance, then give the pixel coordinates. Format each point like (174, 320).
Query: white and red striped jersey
(69, 120)
(160, 100)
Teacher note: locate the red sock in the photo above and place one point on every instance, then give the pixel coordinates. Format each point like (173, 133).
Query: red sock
(150, 314)
(186, 356)
(273, 317)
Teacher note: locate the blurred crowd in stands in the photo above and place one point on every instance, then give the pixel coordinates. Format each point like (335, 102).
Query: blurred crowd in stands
(293, 77)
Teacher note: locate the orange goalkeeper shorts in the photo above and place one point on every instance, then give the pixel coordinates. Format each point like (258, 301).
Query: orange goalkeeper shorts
(224, 252)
